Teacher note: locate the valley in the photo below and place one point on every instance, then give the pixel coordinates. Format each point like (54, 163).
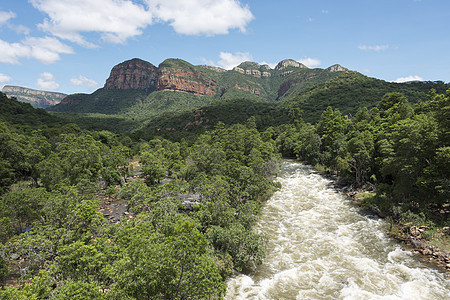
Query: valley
(206, 149)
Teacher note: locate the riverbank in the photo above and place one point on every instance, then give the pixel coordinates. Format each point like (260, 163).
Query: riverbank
(432, 243)
(320, 245)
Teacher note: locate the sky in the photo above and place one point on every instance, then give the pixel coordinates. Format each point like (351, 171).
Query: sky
(70, 46)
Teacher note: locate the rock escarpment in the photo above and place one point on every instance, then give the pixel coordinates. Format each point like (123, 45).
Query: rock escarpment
(36, 98)
(187, 79)
(135, 83)
(134, 74)
(284, 64)
(253, 69)
(337, 68)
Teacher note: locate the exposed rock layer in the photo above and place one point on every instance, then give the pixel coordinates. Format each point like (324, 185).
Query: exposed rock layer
(132, 74)
(35, 97)
(184, 80)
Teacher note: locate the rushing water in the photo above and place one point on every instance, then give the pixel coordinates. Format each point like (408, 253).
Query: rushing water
(322, 247)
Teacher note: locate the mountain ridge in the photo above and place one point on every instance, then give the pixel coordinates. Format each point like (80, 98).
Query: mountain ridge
(37, 98)
(249, 79)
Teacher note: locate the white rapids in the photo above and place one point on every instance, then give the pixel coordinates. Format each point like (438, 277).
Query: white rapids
(321, 247)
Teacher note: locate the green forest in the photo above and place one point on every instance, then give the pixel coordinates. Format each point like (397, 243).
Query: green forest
(57, 176)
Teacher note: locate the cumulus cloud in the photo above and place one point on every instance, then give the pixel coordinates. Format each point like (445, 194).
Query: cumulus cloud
(208, 17)
(116, 21)
(408, 78)
(83, 81)
(310, 62)
(376, 48)
(5, 16)
(11, 52)
(47, 81)
(229, 60)
(47, 50)
(4, 79)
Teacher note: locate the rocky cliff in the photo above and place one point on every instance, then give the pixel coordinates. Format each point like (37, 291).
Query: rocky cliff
(337, 68)
(176, 75)
(139, 83)
(134, 74)
(289, 63)
(39, 99)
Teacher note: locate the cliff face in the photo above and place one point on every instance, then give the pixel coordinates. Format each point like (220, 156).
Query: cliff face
(184, 80)
(289, 63)
(138, 82)
(36, 98)
(134, 74)
(337, 68)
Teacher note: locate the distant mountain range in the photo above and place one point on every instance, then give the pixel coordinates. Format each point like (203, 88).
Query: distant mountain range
(136, 85)
(38, 99)
(138, 90)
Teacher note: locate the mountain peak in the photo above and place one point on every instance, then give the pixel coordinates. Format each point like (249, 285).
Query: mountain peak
(249, 65)
(289, 63)
(135, 74)
(37, 98)
(337, 68)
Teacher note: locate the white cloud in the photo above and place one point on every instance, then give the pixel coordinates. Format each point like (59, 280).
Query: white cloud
(376, 48)
(47, 81)
(230, 60)
(83, 81)
(11, 52)
(409, 78)
(310, 62)
(116, 21)
(4, 79)
(208, 17)
(46, 50)
(5, 16)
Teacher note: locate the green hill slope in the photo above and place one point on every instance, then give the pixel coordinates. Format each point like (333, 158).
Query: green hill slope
(352, 90)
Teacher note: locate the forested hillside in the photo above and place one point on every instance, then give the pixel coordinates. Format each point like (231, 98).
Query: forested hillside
(189, 203)
(57, 243)
(396, 149)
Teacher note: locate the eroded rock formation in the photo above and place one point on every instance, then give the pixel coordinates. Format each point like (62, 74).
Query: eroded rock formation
(134, 74)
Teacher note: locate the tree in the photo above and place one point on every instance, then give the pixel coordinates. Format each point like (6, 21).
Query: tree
(174, 265)
(331, 128)
(75, 158)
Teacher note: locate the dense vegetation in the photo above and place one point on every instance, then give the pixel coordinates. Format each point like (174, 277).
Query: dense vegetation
(352, 90)
(57, 243)
(56, 239)
(402, 152)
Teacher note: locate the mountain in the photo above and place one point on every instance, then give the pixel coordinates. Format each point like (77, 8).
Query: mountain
(137, 88)
(38, 99)
(352, 90)
(18, 113)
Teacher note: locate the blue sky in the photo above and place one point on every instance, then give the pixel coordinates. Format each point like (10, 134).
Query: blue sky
(71, 45)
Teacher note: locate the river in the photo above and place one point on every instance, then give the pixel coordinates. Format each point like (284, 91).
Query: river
(320, 246)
